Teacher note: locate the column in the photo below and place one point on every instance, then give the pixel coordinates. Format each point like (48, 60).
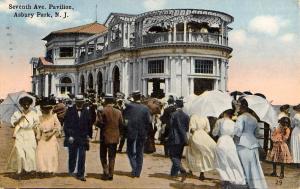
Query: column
(216, 85)
(174, 33)
(223, 75)
(184, 31)
(190, 34)
(173, 75)
(167, 80)
(184, 78)
(191, 86)
(169, 36)
(36, 86)
(124, 34)
(125, 80)
(46, 90)
(140, 70)
(53, 81)
(222, 34)
(76, 84)
(145, 87)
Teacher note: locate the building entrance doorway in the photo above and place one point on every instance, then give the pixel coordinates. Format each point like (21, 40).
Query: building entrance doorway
(156, 88)
(201, 85)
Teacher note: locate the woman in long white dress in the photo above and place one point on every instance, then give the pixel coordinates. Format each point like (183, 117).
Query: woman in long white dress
(47, 149)
(295, 137)
(200, 153)
(23, 155)
(227, 161)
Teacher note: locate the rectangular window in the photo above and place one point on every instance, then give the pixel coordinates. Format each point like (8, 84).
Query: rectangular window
(204, 66)
(155, 66)
(66, 52)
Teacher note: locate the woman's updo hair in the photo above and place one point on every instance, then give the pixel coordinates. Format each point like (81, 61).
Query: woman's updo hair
(244, 103)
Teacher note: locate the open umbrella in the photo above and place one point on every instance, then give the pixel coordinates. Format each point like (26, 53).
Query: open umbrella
(263, 109)
(211, 103)
(188, 102)
(11, 105)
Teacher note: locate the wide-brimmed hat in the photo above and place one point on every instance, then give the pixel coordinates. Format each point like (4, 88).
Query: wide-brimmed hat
(25, 100)
(297, 108)
(47, 103)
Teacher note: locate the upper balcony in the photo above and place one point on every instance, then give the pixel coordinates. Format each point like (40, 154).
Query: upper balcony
(186, 27)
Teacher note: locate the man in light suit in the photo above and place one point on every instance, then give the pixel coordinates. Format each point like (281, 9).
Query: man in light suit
(138, 121)
(78, 131)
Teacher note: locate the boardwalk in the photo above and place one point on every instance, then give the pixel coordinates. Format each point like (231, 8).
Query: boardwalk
(154, 175)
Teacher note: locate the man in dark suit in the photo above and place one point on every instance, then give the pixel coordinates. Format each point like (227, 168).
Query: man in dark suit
(110, 122)
(177, 139)
(165, 119)
(78, 130)
(138, 120)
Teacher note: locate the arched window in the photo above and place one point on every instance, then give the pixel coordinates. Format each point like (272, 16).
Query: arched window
(116, 80)
(90, 81)
(82, 84)
(66, 80)
(99, 83)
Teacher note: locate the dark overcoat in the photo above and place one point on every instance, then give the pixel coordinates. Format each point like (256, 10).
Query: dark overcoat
(80, 128)
(179, 126)
(139, 120)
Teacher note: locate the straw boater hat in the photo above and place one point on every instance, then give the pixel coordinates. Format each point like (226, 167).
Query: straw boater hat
(297, 108)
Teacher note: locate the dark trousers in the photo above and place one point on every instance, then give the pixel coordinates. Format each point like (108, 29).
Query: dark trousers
(109, 150)
(122, 141)
(175, 152)
(135, 150)
(77, 154)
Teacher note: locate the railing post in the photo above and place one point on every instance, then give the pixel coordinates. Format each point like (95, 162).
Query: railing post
(174, 32)
(184, 31)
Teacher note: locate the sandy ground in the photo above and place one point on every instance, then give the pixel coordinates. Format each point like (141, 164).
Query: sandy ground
(155, 172)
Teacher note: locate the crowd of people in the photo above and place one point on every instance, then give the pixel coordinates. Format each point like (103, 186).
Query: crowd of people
(229, 145)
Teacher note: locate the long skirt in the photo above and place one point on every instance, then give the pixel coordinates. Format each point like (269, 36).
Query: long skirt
(23, 154)
(47, 155)
(227, 161)
(200, 153)
(250, 161)
(295, 145)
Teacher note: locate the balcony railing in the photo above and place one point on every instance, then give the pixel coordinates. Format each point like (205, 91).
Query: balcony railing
(157, 39)
(193, 37)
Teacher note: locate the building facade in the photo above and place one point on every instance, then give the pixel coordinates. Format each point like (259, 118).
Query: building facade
(180, 51)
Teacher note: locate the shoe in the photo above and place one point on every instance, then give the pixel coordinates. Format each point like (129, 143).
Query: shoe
(104, 177)
(281, 176)
(273, 174)
(183, 177)
(119, 151)
(72, 174)
(110, 178)
(81, 178)
(201, 177)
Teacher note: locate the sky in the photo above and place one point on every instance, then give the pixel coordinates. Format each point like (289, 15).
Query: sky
(265, 40)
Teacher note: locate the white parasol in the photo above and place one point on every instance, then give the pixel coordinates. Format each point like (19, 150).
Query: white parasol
(263, 109)
(11, 105)
(211, 103)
